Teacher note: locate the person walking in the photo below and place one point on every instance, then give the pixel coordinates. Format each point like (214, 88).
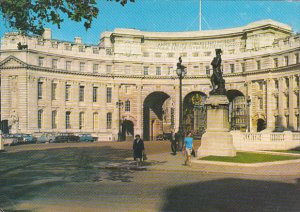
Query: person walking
(138, 150)
(173, 142)
(188, 147)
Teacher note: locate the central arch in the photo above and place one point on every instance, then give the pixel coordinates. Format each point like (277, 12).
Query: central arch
(153, 114)
(238, 114)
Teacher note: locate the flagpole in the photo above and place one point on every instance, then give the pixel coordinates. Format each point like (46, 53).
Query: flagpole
(200, 15)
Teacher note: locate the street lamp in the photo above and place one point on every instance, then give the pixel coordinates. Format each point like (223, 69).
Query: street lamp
(248, 109)
(180, 71)
(119, 105)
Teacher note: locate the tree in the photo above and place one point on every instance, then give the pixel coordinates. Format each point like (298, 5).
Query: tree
(30, 16)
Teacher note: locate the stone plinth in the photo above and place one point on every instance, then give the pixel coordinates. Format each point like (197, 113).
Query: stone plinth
(217, 140)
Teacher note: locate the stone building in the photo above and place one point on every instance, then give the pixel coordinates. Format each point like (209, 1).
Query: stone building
(50, 85)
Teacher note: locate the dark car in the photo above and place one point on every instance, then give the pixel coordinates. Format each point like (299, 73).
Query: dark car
(86, 138)
(163, 137)
(66, 138)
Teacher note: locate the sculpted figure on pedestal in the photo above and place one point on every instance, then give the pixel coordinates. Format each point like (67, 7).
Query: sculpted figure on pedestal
(217, 81)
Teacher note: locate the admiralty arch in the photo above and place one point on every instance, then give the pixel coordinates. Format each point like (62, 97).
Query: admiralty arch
(127, 83)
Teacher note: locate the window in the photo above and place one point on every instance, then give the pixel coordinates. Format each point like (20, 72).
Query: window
(287, 82)
(170, 54)
(108, 69)
(95, 68)
(183, 54)
(157, 54)
(170, 70)
(286, 60)
(195, 54)
(95, 93)
(196, 68)
(95, 121)
(108, 120)
(109, 51)
(68, 65)
(81, 66)
(276, 84)
(68, 47)
(95, 51)
(40, 119)
(81, 93)
(158, 71)
(68, 116)
(275, 61)
(207, 69)
(146, 54)
(40, 90)
(53, 117)
(243, 65)
(232, 68)
(54, 63)
(54, 45)
(261, 85)
(127, 106)
(146, 70)
(68, 93)
(53, 91)
(81, 49)
(297, 58)
(207, 53)
(41, 61)
(108, 95)
(258, 65)
(81, 120)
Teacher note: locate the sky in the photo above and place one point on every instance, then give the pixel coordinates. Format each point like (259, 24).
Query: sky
(177, 15)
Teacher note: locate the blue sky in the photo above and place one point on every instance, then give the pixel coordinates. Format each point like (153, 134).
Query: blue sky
(178, 15)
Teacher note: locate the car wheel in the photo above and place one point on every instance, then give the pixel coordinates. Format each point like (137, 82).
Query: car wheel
(50, 141)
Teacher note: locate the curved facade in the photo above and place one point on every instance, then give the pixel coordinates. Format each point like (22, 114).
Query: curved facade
(56, 86)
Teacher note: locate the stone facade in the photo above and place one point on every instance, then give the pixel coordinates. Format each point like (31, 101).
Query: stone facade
(58, 86)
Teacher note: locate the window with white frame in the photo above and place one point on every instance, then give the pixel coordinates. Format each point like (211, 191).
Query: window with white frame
(81, 66)
(53, 90)
(243, 65)
(258, 66)
(146, 70)
(41, 62)
(127, 105)
(81, 120)
(232, 68)
(108, 120)
(54, 119)
(40, 90)
(95, 93)
(68, 119)
(158, 71)
(108, 94)
(95, 68)
(286, 60)
(81, 93)
(68, 92)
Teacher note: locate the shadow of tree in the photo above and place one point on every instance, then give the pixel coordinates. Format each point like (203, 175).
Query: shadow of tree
(24, 175)
(232, 195)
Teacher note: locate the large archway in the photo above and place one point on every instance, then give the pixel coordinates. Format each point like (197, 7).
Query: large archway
(238, 114)
(153, 115)
(194, 113)
(261, 125)
(127, 130)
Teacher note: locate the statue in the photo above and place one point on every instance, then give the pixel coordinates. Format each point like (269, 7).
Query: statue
(217, 81)
(14, 122)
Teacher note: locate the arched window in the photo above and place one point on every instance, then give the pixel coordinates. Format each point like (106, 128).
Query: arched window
(127, 105)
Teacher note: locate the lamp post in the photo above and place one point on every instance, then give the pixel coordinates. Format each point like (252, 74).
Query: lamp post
(119, 105)
(180, 71)
(248, 109)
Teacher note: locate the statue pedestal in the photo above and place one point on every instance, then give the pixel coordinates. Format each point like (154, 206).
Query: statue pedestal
(217, 139)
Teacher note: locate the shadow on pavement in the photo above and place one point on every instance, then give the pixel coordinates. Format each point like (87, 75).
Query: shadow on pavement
(234, 195)
(25, 175)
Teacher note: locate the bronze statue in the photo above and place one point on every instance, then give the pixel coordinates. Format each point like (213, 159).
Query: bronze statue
(217, 81)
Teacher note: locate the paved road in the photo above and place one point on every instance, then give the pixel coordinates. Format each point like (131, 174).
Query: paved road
(55, 178)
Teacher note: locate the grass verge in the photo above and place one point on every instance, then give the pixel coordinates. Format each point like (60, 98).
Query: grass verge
(288, 151)
(249, 157)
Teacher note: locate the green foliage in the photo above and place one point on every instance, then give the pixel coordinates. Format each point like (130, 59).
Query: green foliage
(30, 16)
(247, 157)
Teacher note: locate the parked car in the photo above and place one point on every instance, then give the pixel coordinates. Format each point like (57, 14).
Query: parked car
(27, 138)
(86, 138)
(46, 138)
(67, 137)
(10, 140)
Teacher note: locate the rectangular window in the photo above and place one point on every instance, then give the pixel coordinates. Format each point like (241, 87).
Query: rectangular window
(108, 120)
(297, 58)
(108, 69)
(95, 68)
(68, 65)
(276, 84)
(170, 54)
(196, 68)
(41, 61)
(68, 93)
(146, 70)
(258, 65)
(275, 61)
(157, 54)
(53, 91)
(195, 54)
(207, 53)
(81, 66)
(243, 65)
(95, 51)
(54, 45)
(261, 85)
(81, 49)
(68, 47)
(108, 51)
(127, 106)
(40, 90)
(108, 95)
(54, 63)
(207, 70)
(286, 60)
(81, 93)
(95, 93)
(95, 121)
(53, 117)
(40, 119)
(158, 70)
(232, 68)
(145, 54)
(81, 120)
(287, 82)
(170, 70)
(183, 54)
(68, 117)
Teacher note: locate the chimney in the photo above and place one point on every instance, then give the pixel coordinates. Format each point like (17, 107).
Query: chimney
(47, 35)
(77, 40)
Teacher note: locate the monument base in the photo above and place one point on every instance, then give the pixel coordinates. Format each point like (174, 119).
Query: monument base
(217, 144)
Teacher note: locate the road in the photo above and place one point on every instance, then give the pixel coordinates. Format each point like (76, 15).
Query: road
(73, 178)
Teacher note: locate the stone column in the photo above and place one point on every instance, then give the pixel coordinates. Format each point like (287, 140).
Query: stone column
(270, 106)
(280, 124)
(139, 117)
(116, 114)
(291, 103)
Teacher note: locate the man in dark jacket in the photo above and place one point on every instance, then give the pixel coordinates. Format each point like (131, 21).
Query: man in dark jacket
(138, 149)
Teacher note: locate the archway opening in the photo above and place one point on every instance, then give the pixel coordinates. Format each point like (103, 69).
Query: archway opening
(194, 113)
(238, 111)
(127, 130)
(261, 125)
(153, 115)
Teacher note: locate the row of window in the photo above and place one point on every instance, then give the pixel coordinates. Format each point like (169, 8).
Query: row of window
(81, 121)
